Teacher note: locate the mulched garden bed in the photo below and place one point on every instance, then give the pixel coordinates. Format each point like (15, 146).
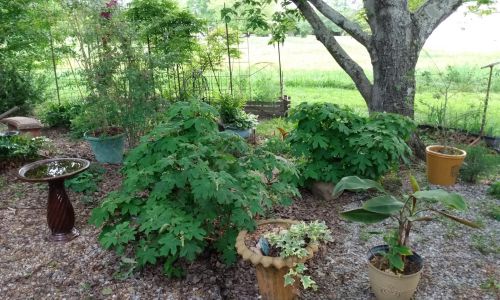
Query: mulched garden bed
(459, 261)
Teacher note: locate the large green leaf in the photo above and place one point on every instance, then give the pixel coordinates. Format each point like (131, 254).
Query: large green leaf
(450, 200)
(364, 216)
(385, 204)
(354, 183)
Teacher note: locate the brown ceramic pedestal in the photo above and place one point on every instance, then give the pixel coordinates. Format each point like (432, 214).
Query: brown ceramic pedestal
(60, 213)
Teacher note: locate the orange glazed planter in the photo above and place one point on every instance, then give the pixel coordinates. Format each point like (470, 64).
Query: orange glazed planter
(442, 169)
(270, 270)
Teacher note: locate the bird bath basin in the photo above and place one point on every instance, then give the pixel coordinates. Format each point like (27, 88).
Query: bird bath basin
(60, 213)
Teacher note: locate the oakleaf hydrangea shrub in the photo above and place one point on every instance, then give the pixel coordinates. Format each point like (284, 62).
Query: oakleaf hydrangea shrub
(333, 142)
(189, 188)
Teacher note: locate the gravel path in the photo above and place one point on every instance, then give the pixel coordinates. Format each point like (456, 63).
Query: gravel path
(459, 262)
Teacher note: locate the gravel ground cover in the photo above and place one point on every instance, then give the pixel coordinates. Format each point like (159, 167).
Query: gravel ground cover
(460, 263)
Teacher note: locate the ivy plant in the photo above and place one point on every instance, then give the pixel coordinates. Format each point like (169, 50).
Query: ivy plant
(419, 206)
(188, 188)
(334, 142)
(293, 242)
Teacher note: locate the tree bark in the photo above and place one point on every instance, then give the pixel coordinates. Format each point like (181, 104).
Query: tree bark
(394, 56)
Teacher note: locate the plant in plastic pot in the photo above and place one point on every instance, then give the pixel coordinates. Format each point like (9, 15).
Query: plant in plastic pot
(234, 118)
(394, 268)
(278, 249)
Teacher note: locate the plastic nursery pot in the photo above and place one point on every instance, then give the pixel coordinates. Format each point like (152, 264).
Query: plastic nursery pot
(388, 286)
(271, 270)
(108, 149)
(442, 169)
(244, 133)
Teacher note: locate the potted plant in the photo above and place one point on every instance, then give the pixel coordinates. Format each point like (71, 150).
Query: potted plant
(394, 268)
(278, 249)
(234, 118)
(107, 143)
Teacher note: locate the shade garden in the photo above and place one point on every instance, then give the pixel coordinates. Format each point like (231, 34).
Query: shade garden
(150, 184)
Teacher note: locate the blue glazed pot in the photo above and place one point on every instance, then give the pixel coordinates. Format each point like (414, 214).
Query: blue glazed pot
(107, 149)
(244, 133)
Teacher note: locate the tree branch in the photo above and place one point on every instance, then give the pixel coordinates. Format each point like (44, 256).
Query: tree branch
(431, 14)
(326, 37)
(349, 26)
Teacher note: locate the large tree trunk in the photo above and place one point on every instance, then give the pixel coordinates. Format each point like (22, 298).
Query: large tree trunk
(394, 57)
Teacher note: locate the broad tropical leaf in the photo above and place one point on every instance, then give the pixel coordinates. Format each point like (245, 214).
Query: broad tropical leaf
(363, 216)
(385, 204)
(450, 200)
(354, 183)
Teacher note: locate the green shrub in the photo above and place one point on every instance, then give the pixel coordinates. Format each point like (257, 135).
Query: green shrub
(20, 147)
(53, 114)
(476, 163)
(335, 142)
(277, 146)
(18, 89)
(187, 188)
(86, 182)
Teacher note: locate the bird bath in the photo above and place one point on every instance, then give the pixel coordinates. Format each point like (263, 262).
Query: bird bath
(60, 213)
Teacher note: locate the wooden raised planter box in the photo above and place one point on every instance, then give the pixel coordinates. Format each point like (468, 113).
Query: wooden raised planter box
(266, 110)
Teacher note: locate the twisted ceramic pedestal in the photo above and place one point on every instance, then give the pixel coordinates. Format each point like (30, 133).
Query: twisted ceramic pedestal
(60, 213)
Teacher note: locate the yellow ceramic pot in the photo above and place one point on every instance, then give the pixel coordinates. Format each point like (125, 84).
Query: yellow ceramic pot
(442, 169)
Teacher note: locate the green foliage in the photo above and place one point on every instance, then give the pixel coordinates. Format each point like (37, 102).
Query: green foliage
(21, 147)
(476, 163)
(277, 146)
(264, 88)
(86, 182)
(59, 115)
(293, 242)
(396, 252)
(335, 142)
(188, 187)
(418, 206)
(122, 50)
(232, 114)
(494, 190)
(18, 89)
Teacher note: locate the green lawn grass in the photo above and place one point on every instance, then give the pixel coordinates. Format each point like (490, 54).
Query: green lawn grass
(464, 108)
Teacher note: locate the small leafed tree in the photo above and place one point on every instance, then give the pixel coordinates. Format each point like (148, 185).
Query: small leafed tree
(397, 32)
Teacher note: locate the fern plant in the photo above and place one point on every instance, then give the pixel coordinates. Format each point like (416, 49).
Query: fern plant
(188, 187)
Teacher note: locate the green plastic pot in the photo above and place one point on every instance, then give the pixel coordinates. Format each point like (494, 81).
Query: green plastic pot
(107, 149)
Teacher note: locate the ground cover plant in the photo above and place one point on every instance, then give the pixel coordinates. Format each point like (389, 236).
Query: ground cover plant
(292, 242)
(333, 142)
(188, 188)
(21, 147)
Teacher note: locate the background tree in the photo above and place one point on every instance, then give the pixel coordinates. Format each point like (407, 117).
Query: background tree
(397, 32)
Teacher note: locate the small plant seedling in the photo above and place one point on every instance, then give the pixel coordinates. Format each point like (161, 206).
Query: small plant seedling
(293, 242)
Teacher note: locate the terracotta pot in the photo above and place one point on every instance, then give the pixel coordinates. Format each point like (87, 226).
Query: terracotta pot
(442, 169)
(388, 286)
(270, 270)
